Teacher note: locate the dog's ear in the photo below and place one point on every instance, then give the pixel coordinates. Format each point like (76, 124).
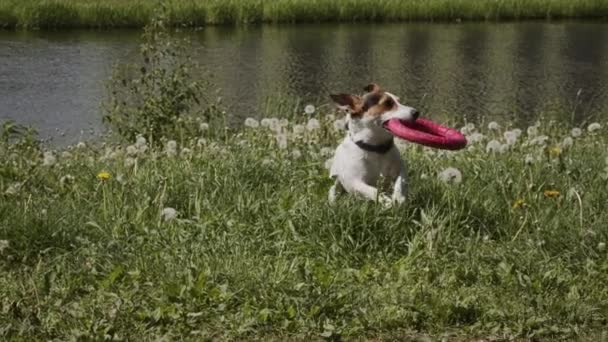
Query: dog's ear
(347, 102)
(372, 88)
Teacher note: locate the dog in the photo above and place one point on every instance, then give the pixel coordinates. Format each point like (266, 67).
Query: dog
(367, 162)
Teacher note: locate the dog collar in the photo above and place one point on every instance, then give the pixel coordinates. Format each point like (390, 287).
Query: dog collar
(382, 148)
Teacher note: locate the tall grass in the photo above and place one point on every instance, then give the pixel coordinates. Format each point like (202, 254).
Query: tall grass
(254, 250)
(135, 13)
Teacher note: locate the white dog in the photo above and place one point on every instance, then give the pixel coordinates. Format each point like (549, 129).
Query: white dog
(367, 160)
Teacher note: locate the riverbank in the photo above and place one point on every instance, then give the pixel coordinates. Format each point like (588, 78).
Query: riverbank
(229, 236)
(49, 14)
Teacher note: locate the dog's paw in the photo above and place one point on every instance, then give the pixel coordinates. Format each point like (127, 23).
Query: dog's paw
(385, 201)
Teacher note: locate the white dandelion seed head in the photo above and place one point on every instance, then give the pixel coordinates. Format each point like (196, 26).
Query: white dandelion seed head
(265, 122)
(339, 124)
(601, 246)
(171, 145)
(327, 151)
(140, 141)
(267, 162)
(309, 109)
(511, 137)
(13, 189)
(476, 138)
(132, 150)
(169, 214)
(67, 179)
(576, 132)
(540, 140)
(568, 142)
(129, 162)
(3, 245)
(504, 148)
(252, 123)
(328, 163)
(594, 127)
(493, 146)
(283, 122)
(467, 129)
(296, 154)
(516, 131)
(299, 129)
(48, 159)
(81, 145)
(282, 141)
(186, 152)
(66, 155)
(313, 124)
(424, 176)
(493, 126)
(451, 175)
(532, 131)
(203, 126)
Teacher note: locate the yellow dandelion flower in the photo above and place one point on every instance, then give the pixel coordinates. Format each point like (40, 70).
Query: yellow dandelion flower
(519, 203)
(555, 151)
(104, 176)
(551, 193)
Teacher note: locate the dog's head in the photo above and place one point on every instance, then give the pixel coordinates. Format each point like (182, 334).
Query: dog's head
(374, 108)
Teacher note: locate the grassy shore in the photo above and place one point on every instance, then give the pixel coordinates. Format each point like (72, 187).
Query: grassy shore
(135, 13)
(230, 236)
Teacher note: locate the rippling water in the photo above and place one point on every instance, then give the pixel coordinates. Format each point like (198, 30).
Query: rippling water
(476, 71)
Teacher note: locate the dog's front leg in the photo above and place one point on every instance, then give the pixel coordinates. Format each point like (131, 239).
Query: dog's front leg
(370, 192)
(335, 191)
(400, 188)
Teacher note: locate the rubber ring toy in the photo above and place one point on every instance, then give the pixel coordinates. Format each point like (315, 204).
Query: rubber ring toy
(427, 133)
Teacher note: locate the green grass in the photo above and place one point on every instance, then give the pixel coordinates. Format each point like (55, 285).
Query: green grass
(256, 252)
(135, 13)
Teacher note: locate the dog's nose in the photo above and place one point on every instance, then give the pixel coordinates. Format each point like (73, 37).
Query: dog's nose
(415, 114)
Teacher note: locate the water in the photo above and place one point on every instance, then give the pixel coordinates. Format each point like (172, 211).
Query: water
(474, 71)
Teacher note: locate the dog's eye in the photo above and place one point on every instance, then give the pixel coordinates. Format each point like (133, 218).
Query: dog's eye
(389, 102)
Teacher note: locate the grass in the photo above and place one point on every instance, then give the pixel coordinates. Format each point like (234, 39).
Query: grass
(254, 251)
(135, 13)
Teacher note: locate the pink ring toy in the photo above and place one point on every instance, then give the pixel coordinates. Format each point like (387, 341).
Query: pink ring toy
(428, 133)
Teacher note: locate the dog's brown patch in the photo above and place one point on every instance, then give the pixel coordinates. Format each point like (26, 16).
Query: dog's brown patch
(375, 103)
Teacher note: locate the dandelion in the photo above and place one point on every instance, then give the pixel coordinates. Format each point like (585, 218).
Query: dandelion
(252, 123)
(141, 144)
(493, 126)
(313, 124)
(555, 151)
(299, 129)
(493, 146)
(511, 137)
(171, 148)
(519, 203)
(309, 109)
(567, 143)
(67, 179)
(296, 154)
(129, 162)
(504, 148)
(539, 140)
(13, 189)
(81, 145)
(451, 175)
(104, 176)
(600, 246)
(201, 142)
(476, 138)
(169, 214)
(467, 129)
(267, 162)
(49, 159)
(532, 131)
(66, 155)
(282, 141)
(3, 245)
(551, 193)
(339, 124)
(186, 152)
(132, 150)
(283, 122)
(594, 127)
(424, 176)
(576, 132)
(203, 126)
(265, 122)
(326, 152)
